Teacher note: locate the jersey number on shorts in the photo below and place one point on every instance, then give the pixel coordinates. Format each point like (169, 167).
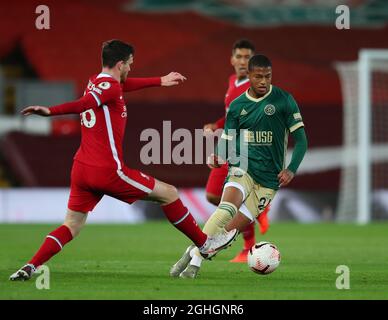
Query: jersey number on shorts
(263, 202)
(88, 118)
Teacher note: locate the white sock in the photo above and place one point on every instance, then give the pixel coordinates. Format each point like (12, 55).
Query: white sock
(192, 251)
(196, 259)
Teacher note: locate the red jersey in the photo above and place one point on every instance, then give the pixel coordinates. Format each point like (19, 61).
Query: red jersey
(103, 125)
(103, 119)
(235, 89)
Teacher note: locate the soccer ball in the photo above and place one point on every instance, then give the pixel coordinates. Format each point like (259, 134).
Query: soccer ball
(263, 257)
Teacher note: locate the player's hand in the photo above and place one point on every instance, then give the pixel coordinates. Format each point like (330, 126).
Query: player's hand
(209, 128)
(285, 176)
(172, 79)
(214, 161)
(38, 110)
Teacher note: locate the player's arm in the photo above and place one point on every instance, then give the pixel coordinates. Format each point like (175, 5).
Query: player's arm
(90, 100)
(78, 106)
(227, 137)
(299, 136)
(219, 124)
(172, 79)
(295, 125)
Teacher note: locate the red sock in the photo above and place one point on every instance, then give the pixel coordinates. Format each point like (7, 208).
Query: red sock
(181, 218)
(263, 220)
(249, 236)
(52, 245)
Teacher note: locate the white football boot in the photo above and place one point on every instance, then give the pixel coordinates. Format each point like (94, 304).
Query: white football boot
(218, 242)
(182, 263)
(190, 272)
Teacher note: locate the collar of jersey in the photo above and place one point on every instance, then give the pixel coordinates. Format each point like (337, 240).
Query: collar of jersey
(261, 98)
(103, 74)
(238, 83)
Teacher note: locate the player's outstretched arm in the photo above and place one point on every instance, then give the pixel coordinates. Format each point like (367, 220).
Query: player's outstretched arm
(38, 110)
(73, 107)
(172, 79)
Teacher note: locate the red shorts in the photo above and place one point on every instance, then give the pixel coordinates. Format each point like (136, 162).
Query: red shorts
(215, 182)
(89, 184)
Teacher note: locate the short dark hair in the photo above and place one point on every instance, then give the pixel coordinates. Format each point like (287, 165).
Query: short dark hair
(258, 61)
(114, 51)
(243, 44)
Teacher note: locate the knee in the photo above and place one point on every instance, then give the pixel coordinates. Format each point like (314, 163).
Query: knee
(171, 194)
(74, 226)
(212, 198)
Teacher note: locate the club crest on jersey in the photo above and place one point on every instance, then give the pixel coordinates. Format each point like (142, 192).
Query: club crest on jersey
(104, 85)
(269, 109)
(92, 87)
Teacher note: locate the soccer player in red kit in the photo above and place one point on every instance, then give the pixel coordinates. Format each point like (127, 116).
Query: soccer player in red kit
(98, 167)
(238, 83)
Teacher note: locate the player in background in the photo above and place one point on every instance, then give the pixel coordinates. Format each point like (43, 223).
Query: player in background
(264, 115)
(98, 167)
(242, 51)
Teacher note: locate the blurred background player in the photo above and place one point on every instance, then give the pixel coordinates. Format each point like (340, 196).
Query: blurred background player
(267, 114)
(98, 167)
(242, 51)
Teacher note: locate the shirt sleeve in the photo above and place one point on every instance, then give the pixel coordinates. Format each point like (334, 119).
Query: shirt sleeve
(293, 117)
(101, 94)
(300, 149)
(105, 91)
(133, 84)
(78, 106)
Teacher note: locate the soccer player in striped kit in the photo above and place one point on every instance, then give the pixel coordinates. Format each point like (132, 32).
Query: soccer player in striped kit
(98, 167)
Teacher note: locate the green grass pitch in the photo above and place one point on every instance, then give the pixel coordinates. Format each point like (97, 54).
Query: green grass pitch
(133, 261)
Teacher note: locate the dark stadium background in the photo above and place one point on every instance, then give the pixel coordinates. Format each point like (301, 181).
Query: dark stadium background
(194, 38)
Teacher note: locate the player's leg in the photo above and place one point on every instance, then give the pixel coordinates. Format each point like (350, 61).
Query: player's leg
(249, 235)
(130, 185)
(75, 221)
(175, 211)
(236, 189)
(225, 219)
(167, 195)
(81, 201)
(189, 264)
(213, 198)
(53, 243)
(57, 239)
(215, 183)
(232, 198)
(249, 240)
(263, 220)
(255, 205)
